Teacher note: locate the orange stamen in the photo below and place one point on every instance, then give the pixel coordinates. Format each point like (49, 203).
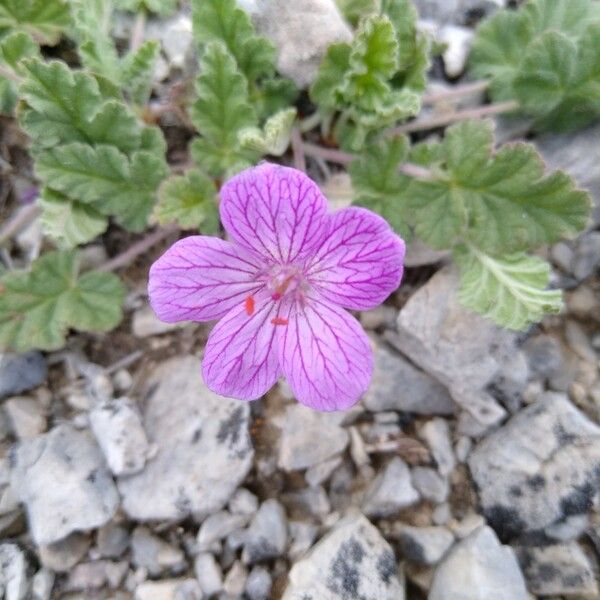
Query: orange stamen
(279, 321)
(249, 305)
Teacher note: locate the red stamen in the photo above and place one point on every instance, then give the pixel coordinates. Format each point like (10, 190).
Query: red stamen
(276, 296)
(279, 321)
(249, 305)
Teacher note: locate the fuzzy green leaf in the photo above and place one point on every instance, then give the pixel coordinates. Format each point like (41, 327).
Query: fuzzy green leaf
(274, 137)
(326, 91)
(190, 201)
(160, 7)
(68, 222)
(38, 307)
(378, 183)
(105, 179)
(273, 94)
(510, 290)
(222, 21)
(220, 113)
(355, 10)
(137, 71)
(13, 49)
(45, 20)
(502, 202)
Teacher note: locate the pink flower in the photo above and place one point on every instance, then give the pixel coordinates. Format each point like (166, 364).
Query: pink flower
(280, 288)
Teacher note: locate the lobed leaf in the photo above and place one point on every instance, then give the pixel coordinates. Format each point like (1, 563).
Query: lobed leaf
(510, 290)
(14, 48)
(137, 71)
(274, 137)
(327, 89)
(190, 201)
(38, 307)
(45, 20)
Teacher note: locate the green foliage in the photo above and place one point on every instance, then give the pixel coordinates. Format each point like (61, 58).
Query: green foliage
(546, 55)
(44, 20)
(510, 290)
(38, 307)
(222, 110)
(13, 49)
(274, 137)
(190, 201)
(160, 7)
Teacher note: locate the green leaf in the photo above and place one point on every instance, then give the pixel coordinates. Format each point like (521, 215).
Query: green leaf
(137, 71)
(378, 183)
(13, 49)
(273, 95)
(274, 137)
(160, 7)
(45, 20)
(501, 202)
(510, 290)
(38, 307)
(355, 10)
(106, 179)
(190, 201)
(403, 15)
(222, 21)
(327, 89)
(220, 113)
(68, 222)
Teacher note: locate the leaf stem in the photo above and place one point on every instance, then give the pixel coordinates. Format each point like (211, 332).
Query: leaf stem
(298, 150)
(20, 221)
(459, 91)
(455, 116)
(139, 248)
(137, 32)
(310, 122)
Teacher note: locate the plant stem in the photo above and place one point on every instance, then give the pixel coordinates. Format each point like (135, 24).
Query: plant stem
(298, 150)
(459, 91)
(20, 221)
(127, 257)
(455, 116)
(310, 122)
(137, 32)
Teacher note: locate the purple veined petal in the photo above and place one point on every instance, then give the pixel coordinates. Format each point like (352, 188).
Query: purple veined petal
(359, 263)
(276, 211)
(325, 355)
(240, 359)
(202, 278)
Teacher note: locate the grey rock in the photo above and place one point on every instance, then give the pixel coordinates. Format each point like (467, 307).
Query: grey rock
(258, 584)
(419, 254)
(442, 514)
(579, 342)
(243, 502)
(13, 572)
(301, 32)
(267, 534)
(235, 580)
(42, 584)
(86, 497)
(321, 472)
(398, 385)
(177, 39)
(586, 257)
(351, 561)
(571, 528)
(310, 501)
(479, 568)
(458, 41)
(96, 575)
(154, 554)
(562, 256)
(208, 573)
(430, 484)
(380, 316)
(26, 417)
(308, 437)
(542, 467)
(559, 570)
(303, 535)
(218, 526)
(390, 491)
(455, 11)
(205, 435)
(462, 448)
(467, 525)
(508, 386)
(118, 429)
(62, 556)
(168, 589)
(145, 323)
(544, 355)
(424, 545)
(21, 372)
(111, 541)
(456, 346)
(480, 411)
(436, 434)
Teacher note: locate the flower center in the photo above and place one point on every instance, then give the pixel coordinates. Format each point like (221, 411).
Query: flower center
(284, 280)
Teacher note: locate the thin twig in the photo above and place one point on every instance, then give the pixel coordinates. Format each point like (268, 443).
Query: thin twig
(459, 91)
(20, 221)
(456, 116)
(10, 74)
(137, 32)
(127, 257)
(298, 150)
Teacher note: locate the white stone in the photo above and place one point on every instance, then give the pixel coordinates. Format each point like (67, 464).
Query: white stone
(168, 589)
(42, 584)
(235, 580)
(258, 584)
(243, 502)
(154, 554)
(145, 323)
(430, 484)
(267, 534)
(63, 555)
(424, 545)
(208, 573)
(13, 572)
(458, 45)
(436, 434)
(218, 526)
(26, 417)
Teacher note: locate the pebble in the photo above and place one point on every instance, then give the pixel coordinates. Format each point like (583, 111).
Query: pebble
(267, 534)
(243, 502)
(455, 11)
(462, 448)
(321, 472)
(458, 45)
(42, 584)
(118, 428)
(145, 323)
(479, 568)
(218, 526)
(430, 484)
(26, 417)
(96, 575)
(235, 580)
(208, 573)
(122, 380)
(442, 514)
(351, 561)
(303, 535)
(111, 541)
(390, 491)
(86, 497)
(436, 434)
(467, 525)
(424, 545)
(258, 584)
(202, 433)
(62, 556)
(21, 372)
(379, 316)
(544, 355)
(154, 554)
(13, 572)
(308, 437)
(168, 589)
(579, 342)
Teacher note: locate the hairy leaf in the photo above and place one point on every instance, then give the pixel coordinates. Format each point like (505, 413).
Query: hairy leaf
(68, 222)
(190, 201)
(327, 89)
(354, 10)
(272, 95)
(38, 307)
(160, 7)
(510, 290)
(45, 20)
(378, 183)
(220, 112)
(13, 49)
(274, 137)
(137, 70)
(222, 21)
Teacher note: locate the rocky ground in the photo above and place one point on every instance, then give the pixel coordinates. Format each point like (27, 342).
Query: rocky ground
(470, 470)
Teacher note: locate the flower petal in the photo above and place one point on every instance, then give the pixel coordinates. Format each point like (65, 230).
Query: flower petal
(201, 278)
(275, 211)
(359, 263)
(325, 355)
(240, 360)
